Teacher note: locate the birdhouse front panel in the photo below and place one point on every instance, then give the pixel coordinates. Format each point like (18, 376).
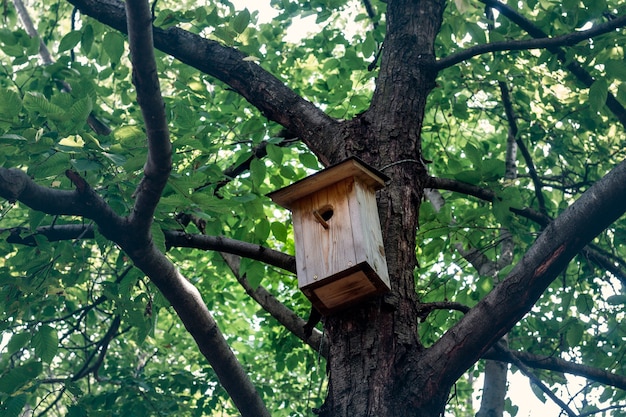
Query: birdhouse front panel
(339, 250)
(325, 243)
(340, 255)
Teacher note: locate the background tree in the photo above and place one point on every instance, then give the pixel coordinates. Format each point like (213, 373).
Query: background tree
(120, 244)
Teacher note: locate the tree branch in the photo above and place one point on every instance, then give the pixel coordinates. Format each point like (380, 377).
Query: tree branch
(102, 347)
(615, 267)
(610, 263)
(483, 194)
(513, 132)
(275, 308)
(425, 309)
(551, 363)
(537, 381)
(184, 297)
(235, 247)
(16, 185)
(159, 161)
(270, 95)
(508, 302)
(173, 238)
(569, 39)
(574, 67)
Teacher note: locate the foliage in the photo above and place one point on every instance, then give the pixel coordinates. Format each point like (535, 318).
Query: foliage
(86, 333)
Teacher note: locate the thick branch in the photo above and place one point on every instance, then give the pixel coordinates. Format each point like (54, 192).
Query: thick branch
(235, 247)
(16, 185)
(551, 363)
(264, 91)
(544, 42)
(574, 67)
(159, 162)
(507, 303)
(193, 312)
(173, 238)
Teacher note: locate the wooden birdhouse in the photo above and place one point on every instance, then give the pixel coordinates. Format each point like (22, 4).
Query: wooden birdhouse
(339, 246)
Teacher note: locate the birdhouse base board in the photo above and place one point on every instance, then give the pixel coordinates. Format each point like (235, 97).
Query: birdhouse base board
(343, 290)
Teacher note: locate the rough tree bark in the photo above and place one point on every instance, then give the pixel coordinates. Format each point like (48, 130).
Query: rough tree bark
(376, 363)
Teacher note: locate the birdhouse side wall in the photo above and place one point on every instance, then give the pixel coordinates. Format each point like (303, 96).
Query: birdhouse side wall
(367, 236)
(323, 251)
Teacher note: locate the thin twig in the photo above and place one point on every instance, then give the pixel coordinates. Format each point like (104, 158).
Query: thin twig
(569, 39)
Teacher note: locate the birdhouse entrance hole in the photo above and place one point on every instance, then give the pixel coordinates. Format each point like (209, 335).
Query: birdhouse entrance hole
(323, 215)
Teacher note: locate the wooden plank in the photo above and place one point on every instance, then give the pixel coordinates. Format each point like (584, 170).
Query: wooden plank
(326, 250)
(352, 167)
(367, 236)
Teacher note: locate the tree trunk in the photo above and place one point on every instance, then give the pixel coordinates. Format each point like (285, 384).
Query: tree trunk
(494, 390)
(372, 346)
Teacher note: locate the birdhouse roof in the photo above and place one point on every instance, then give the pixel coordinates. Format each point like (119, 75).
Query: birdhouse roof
(351, 167)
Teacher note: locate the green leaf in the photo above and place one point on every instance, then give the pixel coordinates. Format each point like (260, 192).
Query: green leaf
(83, 165)
(262, 229)
(462, 5)
(501, 211)
(37, 102)
(81, 109)
(368, 47)
(158, 237)
(353, 61)
(167, 18)
(70, 40)
(616, 69)
(241, 21)
(35, 218)
(226, 34)
(74, 388)
(468, 176)
(55, 164)
(598, 92)
(46, 343)
(309, 160)
(473, 154)
(279, 230)
(538, 393)
(19, 376)
(584, 303)
(257, 172)
(113, 44)
(255, 272)
(87, 37)
(130, 136)
(13, 406)
(574, 334)
(10, 103)
(492, 169)
(17, 342)
(76, 410)
(618, 299)
(275, 153)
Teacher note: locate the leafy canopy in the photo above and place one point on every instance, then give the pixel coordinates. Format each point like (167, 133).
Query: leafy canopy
(85, 333)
